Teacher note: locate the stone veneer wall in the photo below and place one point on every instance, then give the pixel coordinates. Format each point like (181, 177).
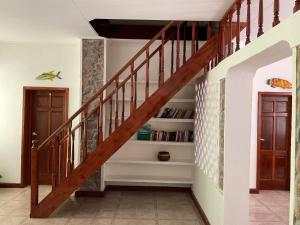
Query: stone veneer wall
(92, 80)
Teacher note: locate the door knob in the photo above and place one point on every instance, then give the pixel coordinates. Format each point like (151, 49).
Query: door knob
(34, 141)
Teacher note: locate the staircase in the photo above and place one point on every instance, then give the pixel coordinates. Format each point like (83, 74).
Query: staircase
(66, 176)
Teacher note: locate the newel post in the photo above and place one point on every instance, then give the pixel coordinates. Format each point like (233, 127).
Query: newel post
(34, 172)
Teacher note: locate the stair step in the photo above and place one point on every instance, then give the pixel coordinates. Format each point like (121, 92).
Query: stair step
(149, 179)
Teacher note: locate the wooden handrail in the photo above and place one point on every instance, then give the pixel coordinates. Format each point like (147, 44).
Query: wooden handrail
(85, 105)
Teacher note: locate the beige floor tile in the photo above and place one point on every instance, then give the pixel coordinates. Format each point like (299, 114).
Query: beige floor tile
(101, 222)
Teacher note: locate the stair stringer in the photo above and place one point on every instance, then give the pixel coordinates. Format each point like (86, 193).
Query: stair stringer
(123, 133)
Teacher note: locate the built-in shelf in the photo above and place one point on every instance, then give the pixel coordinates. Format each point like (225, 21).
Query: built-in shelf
(174, 100)
(148, 179)
(117, 161)
(165, 120)
(161, 143)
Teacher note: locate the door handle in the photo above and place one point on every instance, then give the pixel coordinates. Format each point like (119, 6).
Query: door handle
(262, 139)
(34, 141)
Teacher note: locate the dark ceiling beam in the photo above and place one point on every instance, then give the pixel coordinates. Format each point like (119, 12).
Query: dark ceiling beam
(133, 31)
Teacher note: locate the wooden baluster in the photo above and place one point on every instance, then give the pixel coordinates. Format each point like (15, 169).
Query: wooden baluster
(209, 31)
(55, 161)
(85, 135)
(100, 119)
(297, 6)
(178, 47)
(162, 61)
(63, 156)
(123, 102)
(230, 34)
(276, 20)
(69, 163)
(132, 89)
(117, 104)
(184, 43)
(172, 57)
(135, 90)
(197, 36)
(222, 42)
(238, 25)
(34, 173)
(110, 115)
(147, 74)
(248, 29)
(260, 18)
(193, 38)
(73, 149)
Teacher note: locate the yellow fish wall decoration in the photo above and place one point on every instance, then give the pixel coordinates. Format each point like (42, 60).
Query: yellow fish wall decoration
(280, 83)
(49, 76)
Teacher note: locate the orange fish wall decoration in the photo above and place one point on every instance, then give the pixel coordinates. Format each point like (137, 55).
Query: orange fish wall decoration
(280, 83)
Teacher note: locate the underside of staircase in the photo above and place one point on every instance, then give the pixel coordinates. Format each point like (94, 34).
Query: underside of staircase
(67, 178)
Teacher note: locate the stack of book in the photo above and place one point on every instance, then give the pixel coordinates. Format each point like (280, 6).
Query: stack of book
(175, 113)
(175, 136)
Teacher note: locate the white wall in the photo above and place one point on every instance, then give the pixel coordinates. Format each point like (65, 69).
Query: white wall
(20, 63)
(282, 69)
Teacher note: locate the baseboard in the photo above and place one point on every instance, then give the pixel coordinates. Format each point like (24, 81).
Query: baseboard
(254, 191)
(200, 210)
(89, 194)
(146, 188)
(11, 185)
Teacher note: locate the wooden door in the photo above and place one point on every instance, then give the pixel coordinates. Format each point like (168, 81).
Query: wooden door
(274, 140)
(48, 112)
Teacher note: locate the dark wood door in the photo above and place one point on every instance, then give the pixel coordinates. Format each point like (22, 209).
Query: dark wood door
(274, 140)
(48, 112)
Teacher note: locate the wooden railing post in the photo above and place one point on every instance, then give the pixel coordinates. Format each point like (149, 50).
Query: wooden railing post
(34, 173)
(100, 120)
(260, 18)
(85, 134)
(222, 41)
(162, 62)
(147, 74)
(132, 89)
(238, 25)
(117, 104)
(123, 102)
(276, 20)
(55, 161)
(110, 115)
(248, 29)
(69, 163)
(197, 36)
(178, 47)
(230, 34)
(193, 38)
(184, 43)
(297, 6)
(172, 57)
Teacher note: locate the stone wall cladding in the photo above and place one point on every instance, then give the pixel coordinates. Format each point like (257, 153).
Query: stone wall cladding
(92, 81)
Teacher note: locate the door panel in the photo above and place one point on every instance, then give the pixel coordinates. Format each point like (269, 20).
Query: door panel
(48, 112)
(274, 139)
(266, 133)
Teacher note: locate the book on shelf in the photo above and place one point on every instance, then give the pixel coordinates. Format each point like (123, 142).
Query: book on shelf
(173, 136)
(175, 113)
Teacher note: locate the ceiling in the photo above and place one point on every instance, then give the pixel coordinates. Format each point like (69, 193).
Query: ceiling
(68, 20)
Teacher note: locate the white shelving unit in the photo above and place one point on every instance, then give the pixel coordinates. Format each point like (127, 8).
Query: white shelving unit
(136, 163)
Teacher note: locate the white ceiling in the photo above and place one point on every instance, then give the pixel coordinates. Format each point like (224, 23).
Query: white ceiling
(67, 20)
(201, 10)
(42, 21)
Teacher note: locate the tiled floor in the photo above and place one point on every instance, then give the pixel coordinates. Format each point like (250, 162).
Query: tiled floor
(116, 208)
(269, 208)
